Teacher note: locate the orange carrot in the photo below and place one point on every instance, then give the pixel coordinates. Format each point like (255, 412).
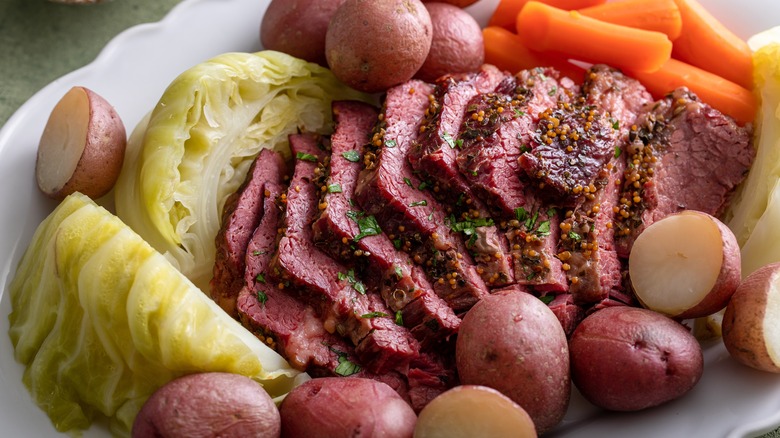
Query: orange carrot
(658, 15)
(545, 28)
(507, 10)
(505, 50)
(706, 43)
(724, 95)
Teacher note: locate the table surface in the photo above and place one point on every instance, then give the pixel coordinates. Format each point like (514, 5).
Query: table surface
(41, 41)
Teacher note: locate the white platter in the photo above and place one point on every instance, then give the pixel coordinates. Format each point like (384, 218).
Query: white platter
(132, 72)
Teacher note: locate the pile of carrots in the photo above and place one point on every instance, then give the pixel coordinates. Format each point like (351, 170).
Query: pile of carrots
(664, 44)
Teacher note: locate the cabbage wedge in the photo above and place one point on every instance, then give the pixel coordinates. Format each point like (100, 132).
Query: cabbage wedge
(754, 214)
(200, 141)
(101, 320)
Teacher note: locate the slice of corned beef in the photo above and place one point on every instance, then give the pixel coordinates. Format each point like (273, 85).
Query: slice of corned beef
(684, 155)
(241, 214)
(588, 236)
(434, 155)
(346, 233)
(568, 313)
(414, 221)
(336, 293)
(284, 323)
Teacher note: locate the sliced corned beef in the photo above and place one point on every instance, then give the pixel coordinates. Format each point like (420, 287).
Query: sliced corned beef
(414, 221)
(345, 232)
(334, 291)
(684, 155)
(568, 312)
(241, 214)
(588, 236)
(434, 156)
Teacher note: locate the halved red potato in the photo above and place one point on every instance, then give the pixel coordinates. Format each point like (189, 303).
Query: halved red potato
(686, 265)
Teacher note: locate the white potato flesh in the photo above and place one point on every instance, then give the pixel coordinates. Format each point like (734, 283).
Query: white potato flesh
(771, 323)
(685, 265)
(473, 411)
(63, 141)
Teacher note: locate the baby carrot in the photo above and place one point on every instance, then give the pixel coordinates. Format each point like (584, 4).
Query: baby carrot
(658, 15)
(545, 28)
(724, 95)
(507, 10)
(706, 43)
(505, 50)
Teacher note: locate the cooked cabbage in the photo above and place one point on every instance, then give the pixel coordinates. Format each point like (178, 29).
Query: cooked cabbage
(100, 320)
(755, 210)
(200, 141)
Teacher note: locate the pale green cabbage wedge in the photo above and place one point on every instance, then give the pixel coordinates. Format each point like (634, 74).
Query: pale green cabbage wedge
(754, 213)
(200, 141)
(100, 320)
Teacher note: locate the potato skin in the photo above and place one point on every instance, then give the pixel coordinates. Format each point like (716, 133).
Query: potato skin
(373, 45)
(627, 359)
(511, 341)
(743, 321)
(333, 407)
(208, 405)
(458, 3)
(457, 45)
(298, 27)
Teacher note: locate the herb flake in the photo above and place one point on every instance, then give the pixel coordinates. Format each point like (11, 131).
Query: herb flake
(353, 156)
(334, 188)
(306, 157)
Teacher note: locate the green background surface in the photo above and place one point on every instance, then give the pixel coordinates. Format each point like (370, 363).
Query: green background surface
(41, 41)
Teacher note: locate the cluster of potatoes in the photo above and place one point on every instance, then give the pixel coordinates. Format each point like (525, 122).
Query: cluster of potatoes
(373, 45)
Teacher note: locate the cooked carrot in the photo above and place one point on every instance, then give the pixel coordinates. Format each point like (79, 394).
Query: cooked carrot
(545, 28)
(658, 15)
(505, 50)
(706, 43)
(724, 95)
(507, 10)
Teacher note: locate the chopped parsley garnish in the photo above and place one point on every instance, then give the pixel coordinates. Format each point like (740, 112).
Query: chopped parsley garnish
(345, 367)
(408, 182)
(306, 157)
(547, 299)
(552, 91)
(260, 277)
(618, 151)
(450, 141)
(399, 318)
(469, 227)
(262, 297)
(353, 156)
(520, 214)
(543, 229)
(524, 148)
(615, 124)
(374, 315)
(423, 185)
(334, 188)
(399, 272)
(390, 143)
(397, 243)
(367, 225)
(419, 203)
(519, 113)
(257, 253)
(574, 236)
(350, 277)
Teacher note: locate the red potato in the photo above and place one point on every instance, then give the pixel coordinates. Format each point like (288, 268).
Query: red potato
(512, 341)
(458, 3)
(686, 265)
(208, 405)
(627, 359)
(751, 323)
(333, 407)
(457, 45)
(82, 146)
(472, 411)
(298, 27)
(373, 45)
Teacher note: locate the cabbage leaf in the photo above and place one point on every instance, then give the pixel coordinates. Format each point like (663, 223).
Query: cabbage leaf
(754, 213)
(201, 139)
(100, 320)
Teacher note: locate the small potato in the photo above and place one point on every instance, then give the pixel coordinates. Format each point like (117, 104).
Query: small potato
(686, 265)
(473, 411)
(208, 405)
(628, 359)
(82, 146)
(335, 407)
(373, 45)
(458, 3)
(457, 45)
(512, 341)
(298, 27)
(751, 323)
